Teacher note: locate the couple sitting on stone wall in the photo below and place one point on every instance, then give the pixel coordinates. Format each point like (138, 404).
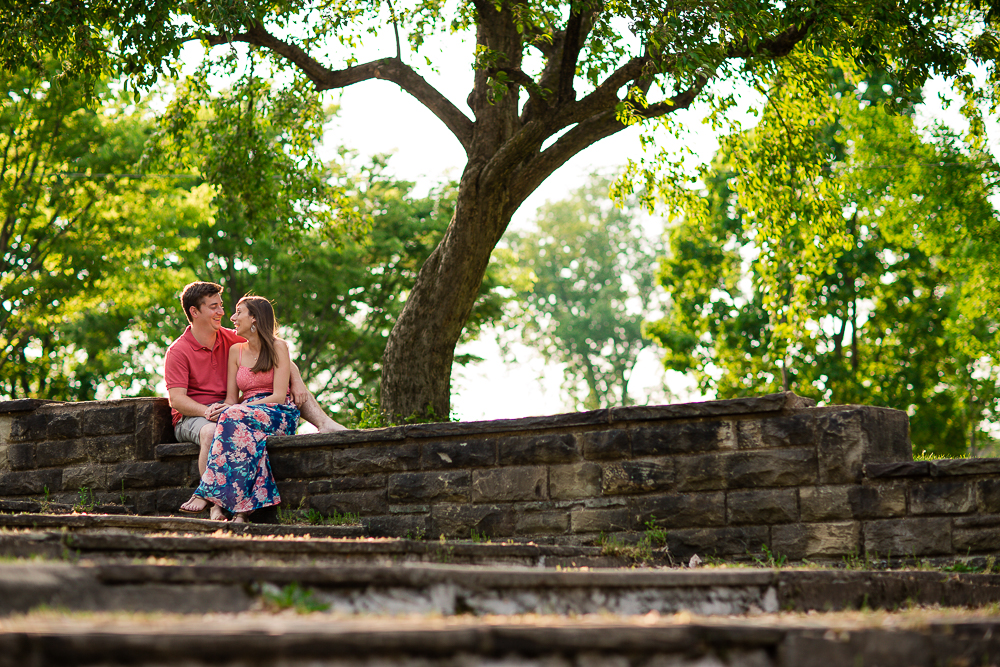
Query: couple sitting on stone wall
(206, 370)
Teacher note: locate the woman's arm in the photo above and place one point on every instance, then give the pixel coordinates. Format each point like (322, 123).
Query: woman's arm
(282, 371)
(232, 393)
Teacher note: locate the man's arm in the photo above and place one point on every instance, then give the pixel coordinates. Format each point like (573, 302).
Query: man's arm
(298, 388)
(187, 406)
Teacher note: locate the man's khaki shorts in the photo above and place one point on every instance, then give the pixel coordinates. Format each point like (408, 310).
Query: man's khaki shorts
(188, 429)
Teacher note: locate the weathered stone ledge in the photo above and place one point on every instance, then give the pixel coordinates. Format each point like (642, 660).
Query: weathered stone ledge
(450, 590)
(424, 642)
(174, 524)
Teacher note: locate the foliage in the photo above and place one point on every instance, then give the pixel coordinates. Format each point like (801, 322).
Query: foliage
(550, 79)
(891, 307)
(86, 248)
(584, 283)
(293, 596)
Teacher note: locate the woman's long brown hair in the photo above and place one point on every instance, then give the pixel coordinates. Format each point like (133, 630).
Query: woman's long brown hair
(263, 314)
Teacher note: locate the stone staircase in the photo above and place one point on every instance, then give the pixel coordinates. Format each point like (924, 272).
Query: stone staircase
(751, 481)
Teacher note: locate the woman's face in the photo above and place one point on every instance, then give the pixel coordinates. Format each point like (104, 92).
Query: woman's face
(242, 320)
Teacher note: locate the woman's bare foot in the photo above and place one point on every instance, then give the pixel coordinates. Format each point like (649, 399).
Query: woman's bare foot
(195, 505)
(216, 513)
(241, 517)
(329, 426)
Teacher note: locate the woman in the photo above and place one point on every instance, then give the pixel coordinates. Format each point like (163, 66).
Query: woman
(238, 476)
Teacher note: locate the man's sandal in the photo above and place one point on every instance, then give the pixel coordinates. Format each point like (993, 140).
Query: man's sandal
(188, 509)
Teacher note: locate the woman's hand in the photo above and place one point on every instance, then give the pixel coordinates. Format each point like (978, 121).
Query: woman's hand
(213, 411)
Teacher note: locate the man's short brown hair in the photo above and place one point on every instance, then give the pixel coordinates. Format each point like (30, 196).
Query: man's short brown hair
(195, 293)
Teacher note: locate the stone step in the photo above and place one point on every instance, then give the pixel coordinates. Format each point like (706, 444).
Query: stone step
(184, 547)
(156, 524)
(675, 641)
(455, 589)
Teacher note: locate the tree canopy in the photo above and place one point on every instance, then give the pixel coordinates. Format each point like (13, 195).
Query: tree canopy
(550, 79)
(895, 311)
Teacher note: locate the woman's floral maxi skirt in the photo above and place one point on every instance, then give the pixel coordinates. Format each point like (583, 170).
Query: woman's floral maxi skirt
(238, 476)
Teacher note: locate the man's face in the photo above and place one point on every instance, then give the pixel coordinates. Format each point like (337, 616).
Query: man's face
(211, 311)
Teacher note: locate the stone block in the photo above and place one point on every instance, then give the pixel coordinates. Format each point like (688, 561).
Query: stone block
(360, 502)
(60, 453)
(637, 476)
(459, 520)
(410, 526)
(90, 475)
(611, 444)
(109, 448)
(722, 541)
(541, 523)
(30, 482)
(816, 540)
(824, 503)
(152, 427)
(5, 424)
(458, 454)
(380, 458)
(682, 510)
(878, 501)
(144, 502)
(349, 483)
(850, 437)
(925, 536)
(683, 438)
(29, 426)
(759, 506)
(976, 540)
(574, 480)
(109, 420)
(21, 456)
(510, 484)
(793, 430)
(420, 487)
(301, 464)
(548, 448)
(770, 467)
(942, 498)
(989, 496)
(293, 494)
(702, 472)
(607, 520)
(148, 475)
(63, 425)
(169, 500)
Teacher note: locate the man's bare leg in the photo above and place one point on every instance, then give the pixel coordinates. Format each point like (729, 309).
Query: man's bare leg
(314, 414)
(205, 436)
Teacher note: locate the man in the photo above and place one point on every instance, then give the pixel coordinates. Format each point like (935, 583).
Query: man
(195, 370)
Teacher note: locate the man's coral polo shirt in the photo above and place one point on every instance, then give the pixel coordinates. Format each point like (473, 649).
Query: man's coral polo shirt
(200, 370)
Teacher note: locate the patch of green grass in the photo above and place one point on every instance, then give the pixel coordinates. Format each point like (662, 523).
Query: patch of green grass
(924, 455)
(480, 538)
(293, 596)
(85, 500)
(310, 516)
(770, 559)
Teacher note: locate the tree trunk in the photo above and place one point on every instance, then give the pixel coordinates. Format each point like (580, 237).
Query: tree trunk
(416, 367)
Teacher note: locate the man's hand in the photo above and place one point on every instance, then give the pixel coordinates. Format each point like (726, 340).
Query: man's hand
(213, 411)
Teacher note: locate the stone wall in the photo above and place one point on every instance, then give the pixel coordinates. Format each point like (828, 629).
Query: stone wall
(721, 477)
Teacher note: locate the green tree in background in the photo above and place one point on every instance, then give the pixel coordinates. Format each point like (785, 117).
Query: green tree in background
(584, 285)
(84, 246)
(891, 312)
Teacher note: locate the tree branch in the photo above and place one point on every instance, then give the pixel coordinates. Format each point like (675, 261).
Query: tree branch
(390, 69)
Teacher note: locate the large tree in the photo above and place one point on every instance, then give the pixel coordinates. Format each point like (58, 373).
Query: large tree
(551, 78)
